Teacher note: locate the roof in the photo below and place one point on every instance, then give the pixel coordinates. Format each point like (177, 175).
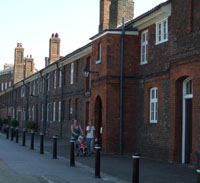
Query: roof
(129, 23)
(145, 14)
(6, 71)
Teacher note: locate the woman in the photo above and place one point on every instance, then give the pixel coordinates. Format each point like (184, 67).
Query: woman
(90, 137)
(76, 130)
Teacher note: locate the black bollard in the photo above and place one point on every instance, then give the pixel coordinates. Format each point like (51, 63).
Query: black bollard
(41, 143)
(54, 147)
(72, 157)
(17, 135)
(136, 159)
(7, 132)
(198, 175)
(24, 137)
(12, 133)
(32, 139)
(97, 161)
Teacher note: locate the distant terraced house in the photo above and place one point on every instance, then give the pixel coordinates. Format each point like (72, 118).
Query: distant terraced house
(138, 83)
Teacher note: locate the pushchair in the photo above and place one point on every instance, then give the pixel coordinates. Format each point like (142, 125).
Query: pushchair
(81, 147)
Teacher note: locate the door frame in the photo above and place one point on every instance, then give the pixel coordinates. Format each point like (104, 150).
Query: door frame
(185, 97)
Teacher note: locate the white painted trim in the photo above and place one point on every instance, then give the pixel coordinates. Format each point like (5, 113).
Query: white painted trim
(133, 33)
(183, 117)
(158, 15)
(135, 157)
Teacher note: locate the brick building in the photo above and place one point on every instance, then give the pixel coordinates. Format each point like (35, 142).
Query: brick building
(138, 83)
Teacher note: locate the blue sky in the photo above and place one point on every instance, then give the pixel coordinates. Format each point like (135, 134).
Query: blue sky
(31, 22)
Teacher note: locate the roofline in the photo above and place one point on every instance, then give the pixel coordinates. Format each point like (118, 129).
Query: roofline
(145, 14)
(67, 57)
(111, 31)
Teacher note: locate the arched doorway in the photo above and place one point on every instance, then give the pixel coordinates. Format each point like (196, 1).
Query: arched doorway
(187, 120)
(98, 119)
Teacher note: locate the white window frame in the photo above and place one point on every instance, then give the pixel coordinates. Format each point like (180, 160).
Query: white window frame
(48, 111)
(72, 74)
(2, 86)
(161, 31)
(99, 53)
(54, 111)
(59, 111)
(22, 91)
(6, 86)
(153, 105)
(49, 83)
(60, 80)
(54, 83)
(144, 47)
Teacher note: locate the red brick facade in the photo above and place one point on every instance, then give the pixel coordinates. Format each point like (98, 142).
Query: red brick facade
(162, 125)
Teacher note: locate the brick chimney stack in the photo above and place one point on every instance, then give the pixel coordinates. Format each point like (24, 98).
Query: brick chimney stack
(54, 49)
(112, 11)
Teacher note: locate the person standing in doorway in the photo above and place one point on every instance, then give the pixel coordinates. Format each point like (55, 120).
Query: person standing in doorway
(90, 137)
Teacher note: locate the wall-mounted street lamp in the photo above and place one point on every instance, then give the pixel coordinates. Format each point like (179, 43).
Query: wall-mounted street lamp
(87, 72)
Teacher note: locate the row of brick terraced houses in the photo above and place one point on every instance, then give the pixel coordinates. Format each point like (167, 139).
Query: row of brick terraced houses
(140, 87)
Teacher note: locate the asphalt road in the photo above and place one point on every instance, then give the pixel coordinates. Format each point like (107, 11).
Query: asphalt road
(19, 164)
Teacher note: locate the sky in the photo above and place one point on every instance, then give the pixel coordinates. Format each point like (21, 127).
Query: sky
(32, 22)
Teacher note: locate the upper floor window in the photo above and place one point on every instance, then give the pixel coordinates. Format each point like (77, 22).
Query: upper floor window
(60, 80)
(54, 83)
(99, 54)
(162, 31)
(9, 83)
(154, 105)
(72, 74)
(49, 83)
(22, 91)
(144, 47)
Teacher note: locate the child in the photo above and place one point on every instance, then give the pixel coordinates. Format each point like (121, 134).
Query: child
(82, 146)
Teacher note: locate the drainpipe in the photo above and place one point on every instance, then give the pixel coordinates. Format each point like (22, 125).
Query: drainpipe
(45, 102)
(6, 105)
(27, 101)
(121, 88)
(15, 102)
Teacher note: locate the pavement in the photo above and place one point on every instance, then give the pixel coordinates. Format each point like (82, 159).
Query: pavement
(117, 169)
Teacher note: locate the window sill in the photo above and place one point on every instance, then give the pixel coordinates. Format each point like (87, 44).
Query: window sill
(160, 42)
(143, 63)
(153, 122)
(98, 61)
